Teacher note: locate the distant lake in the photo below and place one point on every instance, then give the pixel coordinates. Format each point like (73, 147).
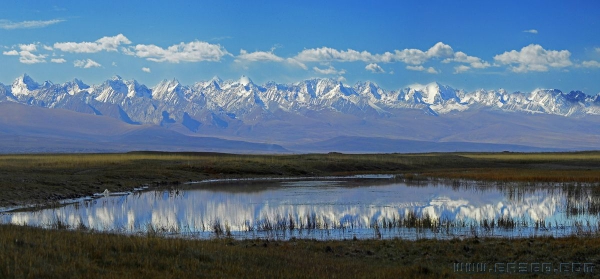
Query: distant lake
(333, 208)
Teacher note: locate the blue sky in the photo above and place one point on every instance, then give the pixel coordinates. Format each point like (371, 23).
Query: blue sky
(464, 44)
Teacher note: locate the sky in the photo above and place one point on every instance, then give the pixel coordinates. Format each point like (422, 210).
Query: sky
(515, 45)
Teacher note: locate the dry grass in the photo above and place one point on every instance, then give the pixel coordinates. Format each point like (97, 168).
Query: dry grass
(42, 178)
(35, 253)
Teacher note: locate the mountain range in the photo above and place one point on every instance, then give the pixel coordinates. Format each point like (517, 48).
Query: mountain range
(314, 115)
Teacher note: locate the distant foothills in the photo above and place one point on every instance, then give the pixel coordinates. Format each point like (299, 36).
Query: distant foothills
(316, 115)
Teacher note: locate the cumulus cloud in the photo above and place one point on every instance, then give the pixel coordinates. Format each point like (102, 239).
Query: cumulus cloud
(440, 50)
(532, 31)
(373, 67)
(28, 47)
(420, 68)
(534, 58)
(27, 57)
(102, 44)
(10, 52)
(147, 70)
(58, 60)
(329, 71)
(461, 69)
(9, 25)
(591, 64)
(462, 57)
(330, 54)
(408, 56)
(266, 56)
(261, 56)
(26, 54)
(86, 64)
(195, 51)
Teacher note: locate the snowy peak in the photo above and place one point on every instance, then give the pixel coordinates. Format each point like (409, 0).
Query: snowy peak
(23, 85)
(431, 94)
(74, 87)
(80, 84)
(168, 91)
(215, 83)
(116, 90)
(134, 89)
(245, 81)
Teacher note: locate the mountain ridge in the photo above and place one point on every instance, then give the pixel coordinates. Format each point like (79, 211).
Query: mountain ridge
(316, 110)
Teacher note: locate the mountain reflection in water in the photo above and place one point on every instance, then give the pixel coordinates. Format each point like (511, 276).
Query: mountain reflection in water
(338, 208)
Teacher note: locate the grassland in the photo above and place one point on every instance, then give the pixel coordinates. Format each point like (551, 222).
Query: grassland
(35, 253)
(43, 178)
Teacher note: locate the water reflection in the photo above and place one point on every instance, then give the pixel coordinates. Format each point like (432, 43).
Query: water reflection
(338, 208)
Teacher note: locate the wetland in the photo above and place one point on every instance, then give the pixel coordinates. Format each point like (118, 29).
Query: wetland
(413, 215)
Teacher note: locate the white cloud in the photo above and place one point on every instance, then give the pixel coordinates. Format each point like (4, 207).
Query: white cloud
(408, 56)
(26, 54)
(440, 50)
(597, 49)
(330, 54)
(9, 25)
(86, 64)
(114, 64)
(49, 48)
(532, 31)
(147, 70)
(296, 63)
(261, 56)
(10, 52)
(534, 58)
(461, 69)
(28, 47)
(420, 68)
(329, 71)
(102, 44)
(462, 57)
(264, 56)
(373, 67)
(431, 70)
(58, 60)
(26, 57)
(591, 64)
(195, 51)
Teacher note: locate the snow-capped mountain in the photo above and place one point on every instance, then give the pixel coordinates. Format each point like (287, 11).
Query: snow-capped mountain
(242, 97)
(322, 109)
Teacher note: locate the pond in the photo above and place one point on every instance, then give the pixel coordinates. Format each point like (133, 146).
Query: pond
(333, 208)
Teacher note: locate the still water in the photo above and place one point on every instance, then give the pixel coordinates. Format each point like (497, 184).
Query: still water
(333, 208)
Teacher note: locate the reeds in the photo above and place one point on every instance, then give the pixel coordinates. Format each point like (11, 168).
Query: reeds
(35, 253)
(411, 225)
